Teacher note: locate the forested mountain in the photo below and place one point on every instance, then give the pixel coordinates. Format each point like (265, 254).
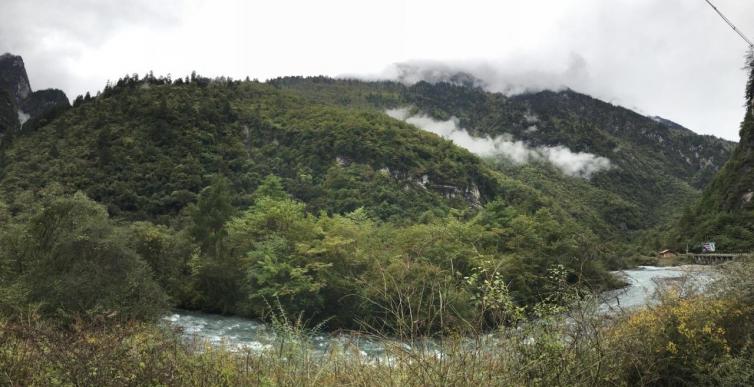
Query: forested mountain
(146, 147)
(657, 165)
(336, 151)
(567, 118)
(725, 213)
(306, 192)
(240, 194)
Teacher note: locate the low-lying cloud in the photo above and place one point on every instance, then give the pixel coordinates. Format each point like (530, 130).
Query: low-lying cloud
(580, 164)
(526, 74)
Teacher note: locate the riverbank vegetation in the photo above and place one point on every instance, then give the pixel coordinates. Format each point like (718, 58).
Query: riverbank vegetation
(686, 339)
(68, 259)
(81, 291)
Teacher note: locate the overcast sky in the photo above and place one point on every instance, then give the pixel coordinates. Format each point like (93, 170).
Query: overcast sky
(673, 58)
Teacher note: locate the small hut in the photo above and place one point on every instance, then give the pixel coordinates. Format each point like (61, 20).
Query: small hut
(666, 254)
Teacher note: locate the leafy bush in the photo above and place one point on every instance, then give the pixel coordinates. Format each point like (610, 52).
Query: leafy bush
(354, 271)
(71, 260)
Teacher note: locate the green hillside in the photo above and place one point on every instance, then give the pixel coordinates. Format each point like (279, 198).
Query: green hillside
(147, 151)
(241, 194)
(725, 212)
(302, 191)
(658, 166)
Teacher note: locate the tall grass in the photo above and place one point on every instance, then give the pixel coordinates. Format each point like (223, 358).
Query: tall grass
(686, 339)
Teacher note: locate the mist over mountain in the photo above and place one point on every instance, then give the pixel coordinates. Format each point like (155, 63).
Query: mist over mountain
(509, 77)
(580, 164)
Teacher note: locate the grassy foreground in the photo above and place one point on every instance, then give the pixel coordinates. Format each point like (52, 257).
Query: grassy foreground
(687, 339)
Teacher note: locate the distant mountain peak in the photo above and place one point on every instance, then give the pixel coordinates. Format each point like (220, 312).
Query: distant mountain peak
(13, 77)
(18, 102)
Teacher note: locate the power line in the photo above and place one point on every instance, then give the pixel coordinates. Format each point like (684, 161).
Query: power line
(741, 34)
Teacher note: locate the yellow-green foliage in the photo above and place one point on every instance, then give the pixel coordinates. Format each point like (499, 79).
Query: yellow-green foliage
(682, 341)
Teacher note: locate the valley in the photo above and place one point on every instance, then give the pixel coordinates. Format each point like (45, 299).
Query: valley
(285, 218)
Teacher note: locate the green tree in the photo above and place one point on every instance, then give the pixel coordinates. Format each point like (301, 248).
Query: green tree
(213, 208)
(168, 253)
(268, 241)
(216, 273)
(271, 187)
(275, 275)
(77, 263)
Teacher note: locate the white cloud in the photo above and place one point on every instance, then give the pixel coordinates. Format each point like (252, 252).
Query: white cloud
(580, 164)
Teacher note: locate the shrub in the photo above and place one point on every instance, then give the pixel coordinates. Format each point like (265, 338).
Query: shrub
(72, 260)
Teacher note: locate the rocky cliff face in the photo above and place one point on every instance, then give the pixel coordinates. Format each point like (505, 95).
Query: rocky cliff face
(8, 112)
(18, 103)
(13, 78)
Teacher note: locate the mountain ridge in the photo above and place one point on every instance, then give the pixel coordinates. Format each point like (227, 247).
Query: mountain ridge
(659, 169)
(336, 150)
